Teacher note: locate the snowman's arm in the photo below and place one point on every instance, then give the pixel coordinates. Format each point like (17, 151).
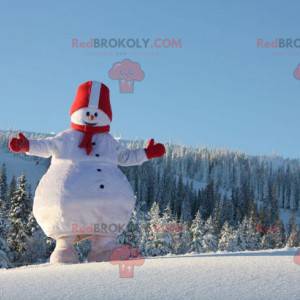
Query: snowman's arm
(42, 147)
(131, 157)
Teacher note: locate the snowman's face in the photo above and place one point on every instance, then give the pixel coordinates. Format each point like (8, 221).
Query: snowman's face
(90, 116)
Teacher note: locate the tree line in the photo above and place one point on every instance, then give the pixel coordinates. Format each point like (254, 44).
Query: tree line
(192, 200)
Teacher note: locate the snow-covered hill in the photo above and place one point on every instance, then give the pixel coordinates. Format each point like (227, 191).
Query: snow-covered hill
(264, 275)
(19, 164)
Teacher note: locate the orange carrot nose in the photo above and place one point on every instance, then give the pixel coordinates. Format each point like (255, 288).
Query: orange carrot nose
(91, 117)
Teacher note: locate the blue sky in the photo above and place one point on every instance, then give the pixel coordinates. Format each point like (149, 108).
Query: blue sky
(218, 90)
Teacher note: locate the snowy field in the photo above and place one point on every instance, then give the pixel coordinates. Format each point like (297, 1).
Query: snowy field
(259, 275)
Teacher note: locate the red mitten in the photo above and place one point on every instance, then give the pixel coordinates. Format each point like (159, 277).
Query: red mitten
(20, 144)
(154, 150)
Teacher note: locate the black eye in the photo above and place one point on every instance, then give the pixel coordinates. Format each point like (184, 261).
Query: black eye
(96, 114)
(88, 113)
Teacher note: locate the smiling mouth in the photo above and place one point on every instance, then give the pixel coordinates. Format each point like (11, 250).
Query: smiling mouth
(90, 124)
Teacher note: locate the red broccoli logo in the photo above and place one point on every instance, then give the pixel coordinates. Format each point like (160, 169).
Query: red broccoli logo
(126, 72)
(127, 258)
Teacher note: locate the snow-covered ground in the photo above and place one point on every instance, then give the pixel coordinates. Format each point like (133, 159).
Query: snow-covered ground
(259, 275)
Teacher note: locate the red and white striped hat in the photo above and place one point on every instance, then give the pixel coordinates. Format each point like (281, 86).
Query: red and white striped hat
(92, 94)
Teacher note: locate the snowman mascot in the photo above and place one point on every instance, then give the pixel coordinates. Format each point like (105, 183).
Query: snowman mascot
(84, 194)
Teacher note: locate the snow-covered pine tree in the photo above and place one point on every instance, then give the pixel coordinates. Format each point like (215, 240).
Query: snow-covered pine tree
(11, 190)
(4, 261)
(242, 234)
(167, 231)
(217, 216)
(210, 238)
(3, 203)
(197, 233)
(4, 250)
(3, 190)
(293, 233)
(144, 228)
(159, 239)
(132, 234)
(19, 214)
(5, 214)
(274, 236)
(248, 235)
(182, 238)
(279, 234)
(252, 235)
(228, 239)
(149, 238)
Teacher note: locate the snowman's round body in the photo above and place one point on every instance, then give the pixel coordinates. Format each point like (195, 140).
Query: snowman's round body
(84, 194)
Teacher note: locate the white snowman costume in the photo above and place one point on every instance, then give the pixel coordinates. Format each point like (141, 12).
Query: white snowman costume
(81, 192)
(84, 193)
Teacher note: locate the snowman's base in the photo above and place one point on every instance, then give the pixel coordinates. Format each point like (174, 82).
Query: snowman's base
(64, 252)
(101, 249)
